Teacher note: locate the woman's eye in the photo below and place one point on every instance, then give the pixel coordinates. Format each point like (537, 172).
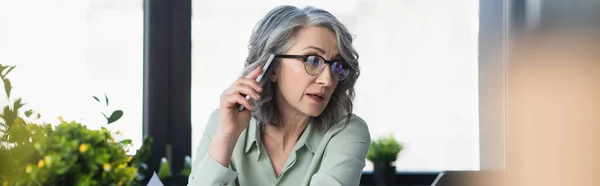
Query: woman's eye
(312, 60)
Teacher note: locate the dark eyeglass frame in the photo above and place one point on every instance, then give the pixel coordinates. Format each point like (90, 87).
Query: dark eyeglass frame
(305, 59)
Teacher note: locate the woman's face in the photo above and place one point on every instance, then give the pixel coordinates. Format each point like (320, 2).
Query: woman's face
(299, 90)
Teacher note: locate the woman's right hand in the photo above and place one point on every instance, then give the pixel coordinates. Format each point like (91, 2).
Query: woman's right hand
(232, 121)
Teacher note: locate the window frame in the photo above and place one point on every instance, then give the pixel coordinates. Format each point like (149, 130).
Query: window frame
(167, 82)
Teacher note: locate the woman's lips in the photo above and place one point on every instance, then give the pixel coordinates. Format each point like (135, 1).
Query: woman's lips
(316, 97)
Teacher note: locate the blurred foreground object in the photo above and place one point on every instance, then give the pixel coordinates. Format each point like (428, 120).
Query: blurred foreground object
(553, 110)
(553, 106)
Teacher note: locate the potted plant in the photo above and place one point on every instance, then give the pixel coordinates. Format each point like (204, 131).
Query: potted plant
(383, 152)
(68, 153)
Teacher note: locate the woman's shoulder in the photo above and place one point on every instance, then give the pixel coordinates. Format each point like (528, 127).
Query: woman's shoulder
(354, 121)
(354, 128)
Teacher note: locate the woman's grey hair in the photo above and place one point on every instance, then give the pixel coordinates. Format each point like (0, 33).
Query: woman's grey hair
(274, 35)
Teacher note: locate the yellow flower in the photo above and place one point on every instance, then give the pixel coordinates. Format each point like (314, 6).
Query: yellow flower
(118, 132)
(129, 158)
(83, 147)
(36, 145)
(40, 163)
(106, 167)
(47, 160)
(122, 165)
(133, 171)
(28, 169)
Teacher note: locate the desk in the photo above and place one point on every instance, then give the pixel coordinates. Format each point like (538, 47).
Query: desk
(403, 178)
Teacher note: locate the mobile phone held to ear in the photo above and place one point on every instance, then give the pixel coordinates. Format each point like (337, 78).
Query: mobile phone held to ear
(259, 78)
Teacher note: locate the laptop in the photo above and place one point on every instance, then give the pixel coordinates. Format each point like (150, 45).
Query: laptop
(437, 179)
(456, 178)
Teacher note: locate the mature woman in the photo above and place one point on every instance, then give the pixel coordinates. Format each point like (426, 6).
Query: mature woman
(298, 127)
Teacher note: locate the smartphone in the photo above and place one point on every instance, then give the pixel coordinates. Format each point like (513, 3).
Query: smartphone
(259, 78)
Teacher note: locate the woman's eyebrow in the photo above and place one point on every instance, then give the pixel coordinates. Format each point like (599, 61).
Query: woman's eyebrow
(316, 48)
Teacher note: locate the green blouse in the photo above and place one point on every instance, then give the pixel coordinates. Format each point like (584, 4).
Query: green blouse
(329, 158)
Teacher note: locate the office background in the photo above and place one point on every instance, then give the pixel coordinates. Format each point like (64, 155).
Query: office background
(433, 71)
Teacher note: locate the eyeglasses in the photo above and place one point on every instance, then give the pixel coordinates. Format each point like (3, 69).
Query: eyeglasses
(315, 64)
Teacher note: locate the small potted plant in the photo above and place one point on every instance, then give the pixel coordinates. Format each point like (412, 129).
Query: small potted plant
(383, 152)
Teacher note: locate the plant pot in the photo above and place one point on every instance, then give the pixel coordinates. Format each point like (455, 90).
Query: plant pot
(385, 174)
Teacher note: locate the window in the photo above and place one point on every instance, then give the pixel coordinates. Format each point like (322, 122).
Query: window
(419, 71)
(68, 50)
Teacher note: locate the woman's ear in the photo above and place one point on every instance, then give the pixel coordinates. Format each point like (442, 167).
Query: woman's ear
(274, 74)
(273, 77)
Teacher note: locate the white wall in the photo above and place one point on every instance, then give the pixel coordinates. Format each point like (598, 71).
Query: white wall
(68, 50)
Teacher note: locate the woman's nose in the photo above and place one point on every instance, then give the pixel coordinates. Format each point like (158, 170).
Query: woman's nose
(325, 78)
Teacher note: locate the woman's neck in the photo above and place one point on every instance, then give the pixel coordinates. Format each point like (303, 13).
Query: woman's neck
(293, 123)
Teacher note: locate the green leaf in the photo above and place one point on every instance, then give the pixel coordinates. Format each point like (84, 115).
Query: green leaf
(9, 116)
(10, 68)
(28, 113)
(82, 180)
(106, 98)
(126, 142)
(38, 116)
(116, 115)
(96, 98)
(17, 105)
(2, 67)
(7, 87)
